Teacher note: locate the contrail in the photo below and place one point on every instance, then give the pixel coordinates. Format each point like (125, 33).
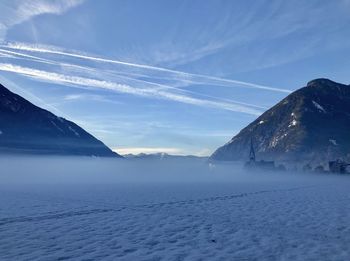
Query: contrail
(123, 88)
(103, 72)
(26, 56)
(50, 50)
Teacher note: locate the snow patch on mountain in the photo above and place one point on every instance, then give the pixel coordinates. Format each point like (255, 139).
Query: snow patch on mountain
(74, 131)
(293, 123)
(318, 106)
(334, 142)
(54, 124)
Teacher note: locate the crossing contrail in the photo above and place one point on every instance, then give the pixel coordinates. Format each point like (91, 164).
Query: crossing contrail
(200, 77)
(101, 73)
(123, 88)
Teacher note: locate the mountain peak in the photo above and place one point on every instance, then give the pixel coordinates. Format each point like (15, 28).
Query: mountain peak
(324, 82)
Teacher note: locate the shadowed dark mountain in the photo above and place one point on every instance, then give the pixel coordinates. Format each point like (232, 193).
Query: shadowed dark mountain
(310, 125)
(28, 129)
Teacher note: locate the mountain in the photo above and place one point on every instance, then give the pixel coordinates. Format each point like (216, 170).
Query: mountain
(162, 156)
(28, 129)
(311, 125)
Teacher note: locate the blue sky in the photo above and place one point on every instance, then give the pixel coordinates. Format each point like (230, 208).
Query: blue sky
(180, 77)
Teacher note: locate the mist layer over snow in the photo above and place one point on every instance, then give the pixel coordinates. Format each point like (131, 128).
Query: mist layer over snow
(90, 208)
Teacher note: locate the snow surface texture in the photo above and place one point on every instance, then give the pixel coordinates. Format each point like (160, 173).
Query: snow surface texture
(226, 215)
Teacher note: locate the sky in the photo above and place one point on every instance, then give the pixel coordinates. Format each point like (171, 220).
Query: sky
(180, 77)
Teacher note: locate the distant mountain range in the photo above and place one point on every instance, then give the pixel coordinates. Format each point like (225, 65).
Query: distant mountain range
(311, 125)
(28, 129)
(161, 156)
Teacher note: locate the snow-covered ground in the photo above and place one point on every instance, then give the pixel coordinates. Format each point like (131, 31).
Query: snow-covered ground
(223, 216)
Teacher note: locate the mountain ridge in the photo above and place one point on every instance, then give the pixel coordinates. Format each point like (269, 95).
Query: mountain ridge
(28, 129)
(309, 125)
(162, 155)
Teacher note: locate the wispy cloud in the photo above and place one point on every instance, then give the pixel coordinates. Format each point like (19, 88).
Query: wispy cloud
(123, 88)
(92, 97)
(72, 97)
(17, 11)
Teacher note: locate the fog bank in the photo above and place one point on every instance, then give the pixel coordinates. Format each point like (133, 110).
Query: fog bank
(81, 170)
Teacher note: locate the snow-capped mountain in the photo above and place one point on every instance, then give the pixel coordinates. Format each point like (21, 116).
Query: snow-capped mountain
(161, 156)
(310, 125)
(28, 129)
